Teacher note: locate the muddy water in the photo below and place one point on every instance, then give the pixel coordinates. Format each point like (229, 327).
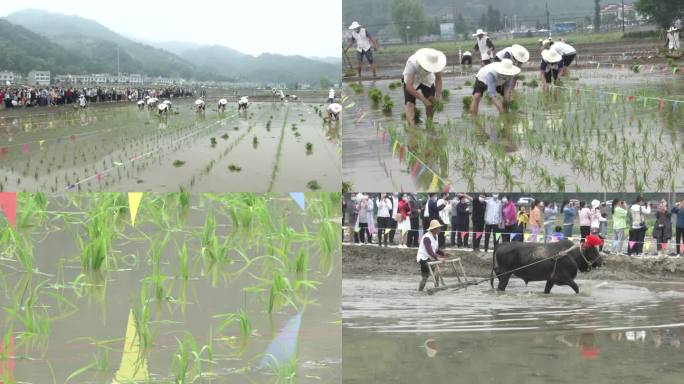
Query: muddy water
(554, 142)
(100, 308)
(121, 148)
(627, 332)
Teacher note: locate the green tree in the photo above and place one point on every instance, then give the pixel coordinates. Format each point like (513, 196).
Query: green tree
(325, 83)
(461, 26)
(661, 12)
(597, 16)
(408, 17)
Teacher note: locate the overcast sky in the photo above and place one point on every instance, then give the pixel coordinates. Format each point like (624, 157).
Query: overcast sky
(289, 27)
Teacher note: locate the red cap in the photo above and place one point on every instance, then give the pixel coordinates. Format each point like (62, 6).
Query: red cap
(592, 241)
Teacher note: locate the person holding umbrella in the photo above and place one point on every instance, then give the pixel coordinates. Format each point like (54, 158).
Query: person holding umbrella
(484, 45)
(364, 46)
(422, 79)
(428, 250)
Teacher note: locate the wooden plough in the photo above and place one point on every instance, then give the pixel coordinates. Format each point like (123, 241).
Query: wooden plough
(438, 277)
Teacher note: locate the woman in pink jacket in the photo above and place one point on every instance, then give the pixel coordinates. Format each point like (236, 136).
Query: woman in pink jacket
(509, 218)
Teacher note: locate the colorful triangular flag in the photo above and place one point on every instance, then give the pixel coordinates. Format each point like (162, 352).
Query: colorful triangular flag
(8, 205)
(133, 204)
(298, 197)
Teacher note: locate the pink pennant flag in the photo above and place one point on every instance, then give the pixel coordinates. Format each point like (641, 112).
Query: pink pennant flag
(72, 138)
(416, 167)
(8, 204)
(663, 245)
(681, 248)
(631, 244)
(25, 148)
(463, 235)
(4, 150)
(447, 188)
(99, 176)
(662, 104)
(631, 98)
(384, 136)
(401, 154)
(478, 235)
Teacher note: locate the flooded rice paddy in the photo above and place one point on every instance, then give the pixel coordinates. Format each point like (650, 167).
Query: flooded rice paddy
(626, 332)
(210, 288)
(606, 129)
(123, 148)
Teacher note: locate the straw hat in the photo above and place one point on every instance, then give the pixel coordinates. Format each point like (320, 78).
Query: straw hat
(167, 102)
(546, 42)
(467, 53)
(479, 32)
(335, 108)
(355, 25)
(162, 107)
(431, 60)
(199, 102)
(430, 347)
(434, 224)
(550, 56)
(672, 29)
(506, 67)
(223, 101)
(520, 54)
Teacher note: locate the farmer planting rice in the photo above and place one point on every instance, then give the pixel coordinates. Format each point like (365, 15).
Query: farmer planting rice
(222, 104)
(141, 105)
(200, 105)
(282, 95)
(467, 58)
(422, 79)
(494, 78)
(82, 101)
(168, 104)
(564, 49)
(516, 53)
(551, 65)
(484, 45)
(242, 103)
(334, 110)
(365, 44)
(163, 109)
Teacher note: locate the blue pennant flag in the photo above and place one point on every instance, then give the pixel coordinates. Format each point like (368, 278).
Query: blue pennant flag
(298, 197)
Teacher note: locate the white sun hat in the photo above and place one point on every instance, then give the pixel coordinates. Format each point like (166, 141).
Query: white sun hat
(672, 29)
(141, 102)
(354, 25)
(162, 107)
(431, 59)
(467, 53)
(506, 67)
(551, 56)
(595, 203)
(223, 101)
(520, 53)
(199, 102)
(335, 108)
(479, 32)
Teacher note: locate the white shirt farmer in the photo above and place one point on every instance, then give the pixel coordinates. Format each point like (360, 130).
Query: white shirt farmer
(331, 94)
(420, 76)
(362, 39)
(422, 252)
(485, 52)
(563, 48)
(490, 69)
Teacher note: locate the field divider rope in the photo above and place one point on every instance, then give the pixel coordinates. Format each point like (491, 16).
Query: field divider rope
(278, 151)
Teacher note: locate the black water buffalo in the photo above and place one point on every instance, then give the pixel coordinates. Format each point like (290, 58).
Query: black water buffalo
(562, 270)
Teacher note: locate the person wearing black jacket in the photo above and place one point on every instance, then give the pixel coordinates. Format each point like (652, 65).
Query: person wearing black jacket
(433, 214)
(416, 210)
(479, 206)
(462, 220)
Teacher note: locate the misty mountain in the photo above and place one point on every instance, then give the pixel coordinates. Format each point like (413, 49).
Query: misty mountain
(74, 43)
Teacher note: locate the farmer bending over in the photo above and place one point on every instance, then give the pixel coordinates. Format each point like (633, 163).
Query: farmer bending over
(422, 80)
(551, 65)
(493, 78)
(427, 251)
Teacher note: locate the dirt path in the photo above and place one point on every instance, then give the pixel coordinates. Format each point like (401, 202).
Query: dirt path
(373, 260)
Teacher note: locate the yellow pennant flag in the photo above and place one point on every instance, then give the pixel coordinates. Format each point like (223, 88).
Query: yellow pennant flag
(527, 236)
(40, 143)
(133, 204)
(388, 230)
(434, 184)
(394, 148)
(615, 97)
(647, 246)
(133, 366)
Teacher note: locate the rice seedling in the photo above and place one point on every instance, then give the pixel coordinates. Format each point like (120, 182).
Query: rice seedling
(356, 87)
(313, 185)
(467, 101)
(178, 163)
(255, 142)
(309, 148)
(394, 85)
(234, 168)
(387, 105)
(445, 94)
(183, 263)
(285, 372)
(375, 96)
